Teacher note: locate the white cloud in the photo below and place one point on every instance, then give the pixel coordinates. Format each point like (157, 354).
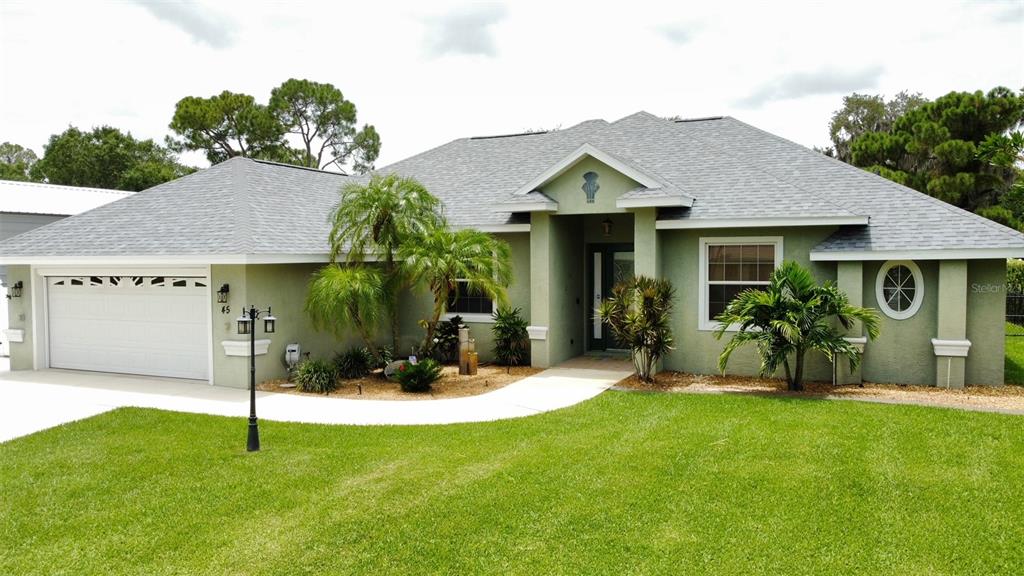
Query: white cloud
(202, 24)
(820, 82)
(535, 64)
(467, 30)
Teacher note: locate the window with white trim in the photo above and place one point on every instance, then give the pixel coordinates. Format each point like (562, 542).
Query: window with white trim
(729, 266)
(463, 301)
(899, 289)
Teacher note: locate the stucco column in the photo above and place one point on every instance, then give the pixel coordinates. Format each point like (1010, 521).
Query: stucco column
(950, 344)
(646, 251)
(540, 299)
(850, 279)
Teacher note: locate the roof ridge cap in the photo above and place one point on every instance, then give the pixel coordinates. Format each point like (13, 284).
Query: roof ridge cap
(239, 185)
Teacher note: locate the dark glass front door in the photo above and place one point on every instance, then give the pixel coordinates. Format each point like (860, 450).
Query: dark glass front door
(607, 265)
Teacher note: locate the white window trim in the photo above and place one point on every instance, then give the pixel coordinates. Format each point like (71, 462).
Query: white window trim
(703, 323)
(918, 289)
(473, 317)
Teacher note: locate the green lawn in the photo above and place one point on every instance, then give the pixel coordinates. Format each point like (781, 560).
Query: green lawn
(1014, 372)
(625, 484)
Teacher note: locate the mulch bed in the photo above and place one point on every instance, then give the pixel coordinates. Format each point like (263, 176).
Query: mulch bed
(1007, 397)
(449, 385)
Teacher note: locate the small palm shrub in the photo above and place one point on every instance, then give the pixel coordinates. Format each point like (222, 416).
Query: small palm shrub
(788, 318)
(511, 341)
(418, 377)
(638, 314)
(354, 363)
(319, 376)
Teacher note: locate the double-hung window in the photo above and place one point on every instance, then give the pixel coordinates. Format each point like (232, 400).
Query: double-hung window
(729, 266)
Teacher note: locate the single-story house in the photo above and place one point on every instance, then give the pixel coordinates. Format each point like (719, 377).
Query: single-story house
(712, 204)
(28, 205)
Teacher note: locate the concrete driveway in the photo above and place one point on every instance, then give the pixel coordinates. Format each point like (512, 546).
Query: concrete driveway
(35, 400)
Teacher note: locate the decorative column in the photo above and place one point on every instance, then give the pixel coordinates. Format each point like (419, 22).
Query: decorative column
(951, 344)
(646, 251)
(540, 297)
(850, 279)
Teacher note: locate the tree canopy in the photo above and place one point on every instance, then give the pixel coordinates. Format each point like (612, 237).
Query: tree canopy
(305, 123)
(16, 162)
(105, 157)
(932, 146)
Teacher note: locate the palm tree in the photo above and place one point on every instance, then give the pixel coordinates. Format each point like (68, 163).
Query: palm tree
(792, 315)
(638, 314)
(342, 297)
(372, 220)
(444, 257)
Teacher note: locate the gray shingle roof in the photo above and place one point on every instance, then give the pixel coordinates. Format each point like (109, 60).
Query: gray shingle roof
(901, 217)
(733, 170)
(238, 207)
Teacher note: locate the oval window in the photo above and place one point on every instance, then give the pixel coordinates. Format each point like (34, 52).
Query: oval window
(900, 289)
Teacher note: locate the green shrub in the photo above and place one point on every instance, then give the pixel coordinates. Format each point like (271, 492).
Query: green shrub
(445, 348)
(385, 355)
(418, 377)
(1015, 276)
(354, 363)
(511, 341)
(318, 376)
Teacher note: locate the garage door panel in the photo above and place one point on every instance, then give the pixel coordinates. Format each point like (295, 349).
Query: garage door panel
(136, 325)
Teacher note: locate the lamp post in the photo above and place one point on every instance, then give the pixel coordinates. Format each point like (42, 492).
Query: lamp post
(247, 325)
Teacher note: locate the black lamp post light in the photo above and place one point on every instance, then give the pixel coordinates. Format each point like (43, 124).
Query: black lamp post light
(247, 325)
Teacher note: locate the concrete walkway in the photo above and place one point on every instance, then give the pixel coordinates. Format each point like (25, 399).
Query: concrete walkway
(35, 400)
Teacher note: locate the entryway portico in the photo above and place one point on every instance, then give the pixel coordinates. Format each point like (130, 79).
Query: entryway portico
(592, 224)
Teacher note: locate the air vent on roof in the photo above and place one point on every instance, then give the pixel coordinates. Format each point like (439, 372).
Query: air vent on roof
(706, 118)
(538, 133)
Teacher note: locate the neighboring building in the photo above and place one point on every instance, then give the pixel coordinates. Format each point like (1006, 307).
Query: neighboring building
(28, 205)
(711, 204)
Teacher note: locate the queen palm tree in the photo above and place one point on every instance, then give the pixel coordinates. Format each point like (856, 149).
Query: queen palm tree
(373, 220)
(792, 315)
(344, 297)
(442, 258)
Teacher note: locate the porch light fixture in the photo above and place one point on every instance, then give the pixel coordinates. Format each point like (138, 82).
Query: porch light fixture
(222, 294)
(15, 290)
(247, 325)
(606, 227)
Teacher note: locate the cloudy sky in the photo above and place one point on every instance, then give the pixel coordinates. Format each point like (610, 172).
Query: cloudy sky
(427, 73)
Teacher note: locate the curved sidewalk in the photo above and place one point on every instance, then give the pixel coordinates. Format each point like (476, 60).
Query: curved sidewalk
(35, 400)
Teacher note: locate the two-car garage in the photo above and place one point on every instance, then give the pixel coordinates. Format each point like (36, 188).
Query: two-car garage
(149, 325)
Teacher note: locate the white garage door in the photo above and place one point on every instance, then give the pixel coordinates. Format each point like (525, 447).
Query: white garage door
(152, 325)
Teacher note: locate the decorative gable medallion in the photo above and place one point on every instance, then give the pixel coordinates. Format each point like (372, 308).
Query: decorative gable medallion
(590, 186)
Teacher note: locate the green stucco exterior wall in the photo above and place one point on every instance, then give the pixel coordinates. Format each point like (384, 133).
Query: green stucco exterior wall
(567, 189)
(986, 305)
(283, 288)
(19, 315)
(903, 351)
(697, 350)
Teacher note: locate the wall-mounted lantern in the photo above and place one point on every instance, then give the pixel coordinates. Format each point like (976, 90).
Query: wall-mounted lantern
(15, 290)
(606, 227)
(222, 294)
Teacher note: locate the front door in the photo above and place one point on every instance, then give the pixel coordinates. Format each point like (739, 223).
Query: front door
(607, 265)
